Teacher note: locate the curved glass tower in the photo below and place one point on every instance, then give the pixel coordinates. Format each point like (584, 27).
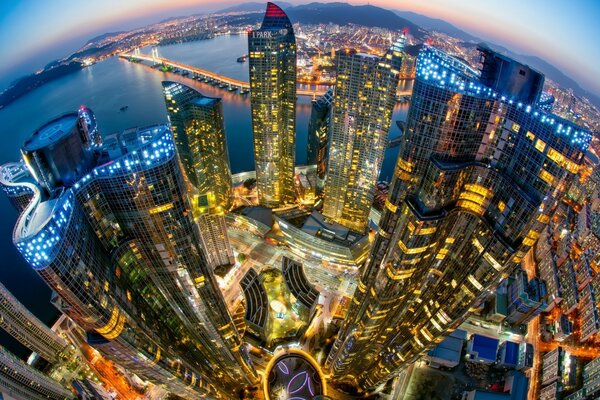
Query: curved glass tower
(365, 95)
(121, 249)
(197, 125)
(272, 52)
(21, 381)
(318, 137)
(478, 174)
(21, 324)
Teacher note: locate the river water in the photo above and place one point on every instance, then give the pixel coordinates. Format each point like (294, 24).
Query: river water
(106, 87)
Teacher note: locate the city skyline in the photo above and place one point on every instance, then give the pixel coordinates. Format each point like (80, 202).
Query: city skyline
(441, 240)
(540, 22)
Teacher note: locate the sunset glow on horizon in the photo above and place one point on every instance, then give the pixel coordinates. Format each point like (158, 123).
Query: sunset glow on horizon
(32, 27)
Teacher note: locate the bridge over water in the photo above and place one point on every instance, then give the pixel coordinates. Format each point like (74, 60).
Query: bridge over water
(223, 81)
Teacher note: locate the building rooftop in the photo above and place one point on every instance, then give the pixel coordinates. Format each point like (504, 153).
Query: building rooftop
(205, 101)
(331, 231)
(448, 72)
(481, 395)
(275, 18)
(511, 352)
(51, 132)
(450, 348)
(485, 347)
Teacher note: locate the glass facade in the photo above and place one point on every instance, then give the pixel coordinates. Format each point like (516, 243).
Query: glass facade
(121, 249)
(197, 125)
(20, 381)
(365, 95)
(476, 177)
(213, 230)
(272, 59)
(17, 184)
(21, 324)
(318, 137)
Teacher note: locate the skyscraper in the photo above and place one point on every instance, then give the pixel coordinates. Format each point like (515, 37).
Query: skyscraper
(197, 125)
(121, 249)
(20, 381)
(478, 175)
(199, 132)
(213, 230)
(18, 195)
(365, 95)
(272, 52)
(21, 324)
(318, 137)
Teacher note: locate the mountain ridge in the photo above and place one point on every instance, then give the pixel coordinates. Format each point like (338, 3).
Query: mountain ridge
(549, 70)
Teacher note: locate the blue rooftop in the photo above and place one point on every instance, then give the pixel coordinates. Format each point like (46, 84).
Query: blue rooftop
(511, 353)
(486, 347)
(51, 132)
(205, 101)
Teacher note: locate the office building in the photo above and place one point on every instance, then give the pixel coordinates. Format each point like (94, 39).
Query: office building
(62, 151)
(318, 137)
(526, 299)
(272, 63)
(121, 250)
(478, 175)
(197, 126)
(22, 382)
(365, 96)
(591, 382)
(199, 133)
(213, 230)
(25, 327)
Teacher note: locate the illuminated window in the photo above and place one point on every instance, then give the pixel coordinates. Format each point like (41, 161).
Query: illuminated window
(543, 218)
(480, 190)
(540, 145)
(546, 176)
(427, 231)
(501, 206)
(414, 250)
(530, 136)
(515, 127)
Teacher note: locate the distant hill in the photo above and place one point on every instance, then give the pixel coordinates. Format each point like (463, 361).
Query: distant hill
(343, 13)
(28, 83)
(547, 69)
(251, 7)
(543, 66)
(434, 24)
(103, 36)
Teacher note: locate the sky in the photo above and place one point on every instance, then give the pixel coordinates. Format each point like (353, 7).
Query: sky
(563, 32)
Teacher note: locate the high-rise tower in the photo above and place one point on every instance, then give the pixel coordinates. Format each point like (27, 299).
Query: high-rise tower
(272, 52)
(21, 381)
(121, 249)
(199, 133)
(213, 229)
(21, 324)
(318, 137)
(365, 95)
(478, 175)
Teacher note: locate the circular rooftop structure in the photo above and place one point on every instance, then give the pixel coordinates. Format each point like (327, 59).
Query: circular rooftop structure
(52, 132)
(294, 375)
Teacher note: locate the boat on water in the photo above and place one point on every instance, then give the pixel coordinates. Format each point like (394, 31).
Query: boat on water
(243, 58)
(124, 108)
